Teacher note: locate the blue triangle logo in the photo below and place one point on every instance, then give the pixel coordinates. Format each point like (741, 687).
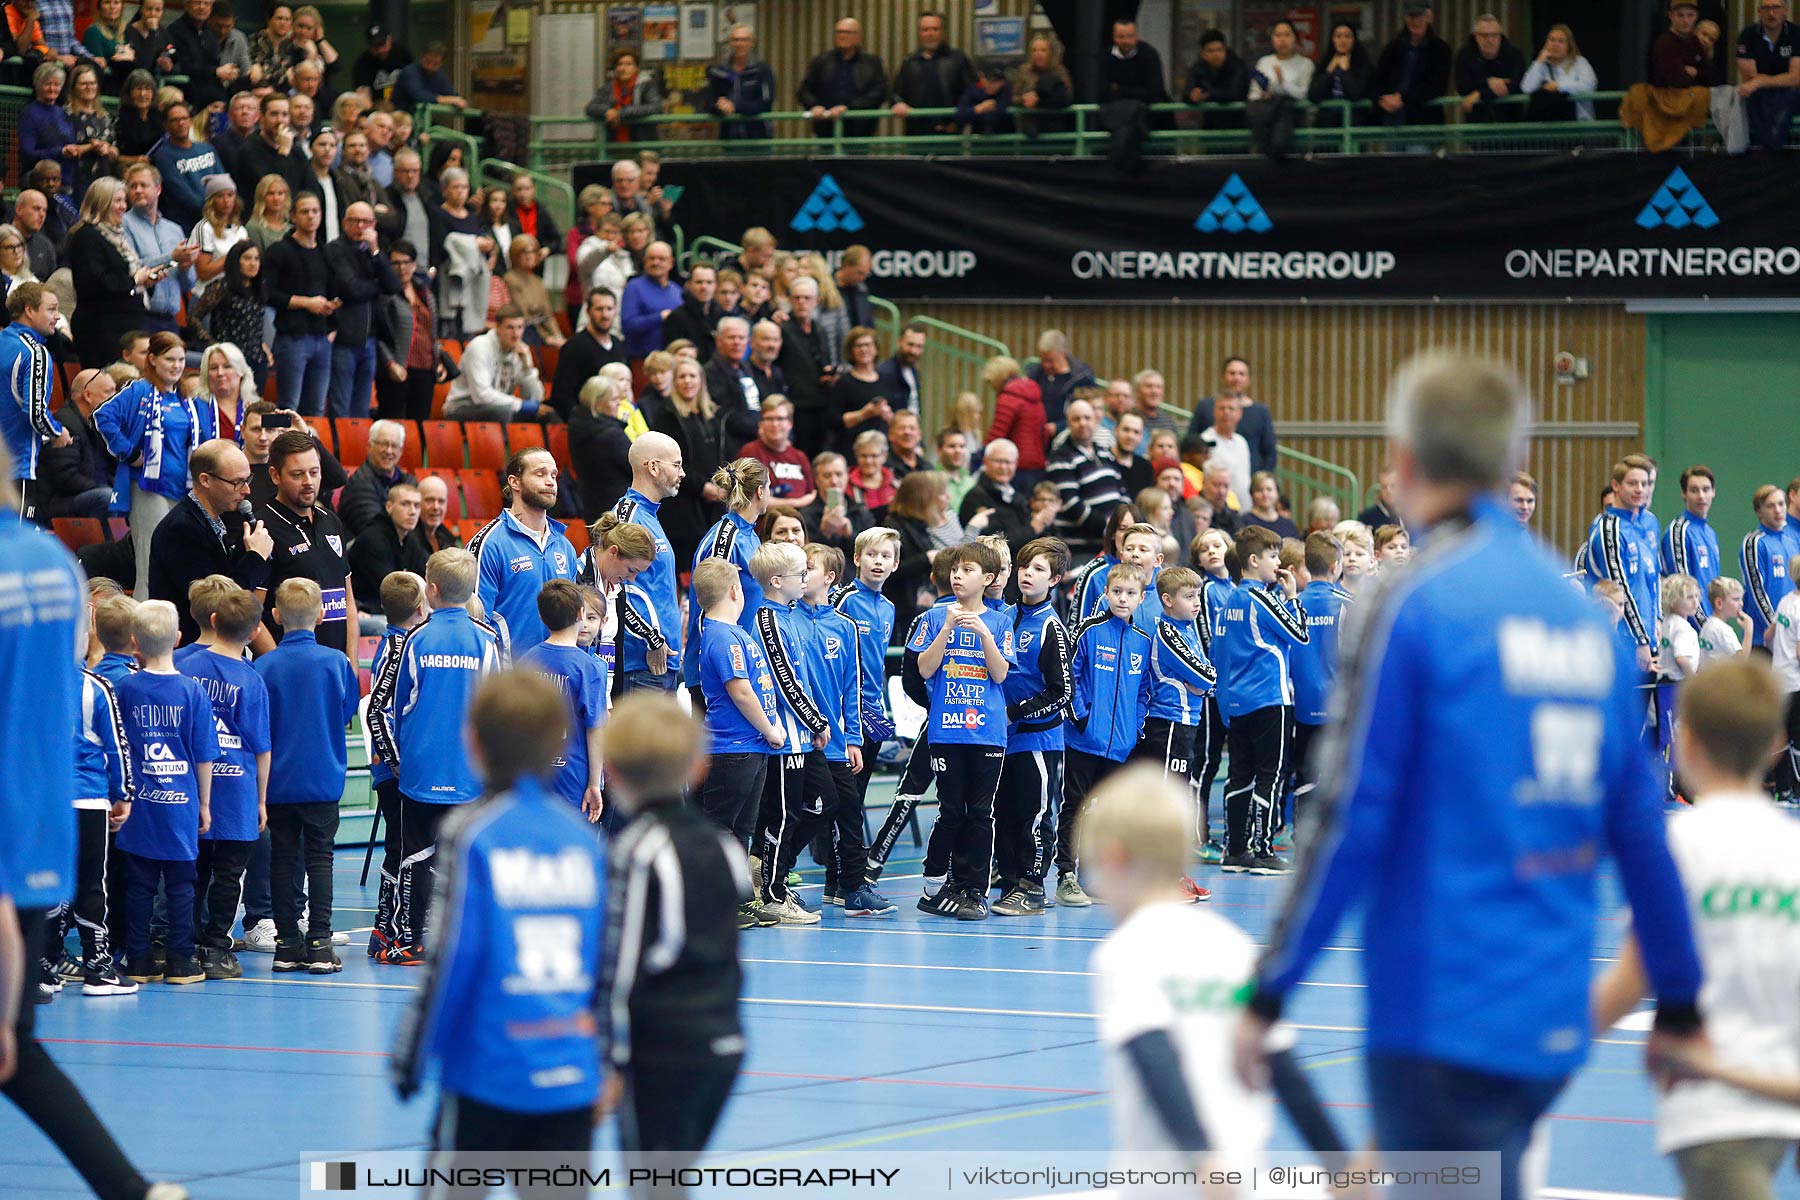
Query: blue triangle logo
(826, 210)
(1234, 210)
(1677, 205)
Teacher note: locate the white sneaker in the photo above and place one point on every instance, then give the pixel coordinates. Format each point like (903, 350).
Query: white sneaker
(260, 938)
(166, 1191)
(340, 938)
(791, 912)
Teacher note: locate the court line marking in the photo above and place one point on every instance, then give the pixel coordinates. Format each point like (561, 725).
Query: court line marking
(810, 962)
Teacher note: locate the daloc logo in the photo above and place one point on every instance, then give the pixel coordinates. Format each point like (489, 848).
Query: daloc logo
(1233, 210)
(826, 210)
(1676, 205)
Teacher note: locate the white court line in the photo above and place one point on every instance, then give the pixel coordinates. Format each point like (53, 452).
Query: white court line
(809, 962)
(1549, 1193)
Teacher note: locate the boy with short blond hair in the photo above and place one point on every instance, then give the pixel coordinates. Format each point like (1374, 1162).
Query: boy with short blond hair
(313, 695)
(965, 654)
(1037, 705)
(169, 728)
(1183, 678)
(875, 555)
(1141, 544)
(203, 598)
(1726, 632)
(1112, 686)
(240, 706)
(112, 625)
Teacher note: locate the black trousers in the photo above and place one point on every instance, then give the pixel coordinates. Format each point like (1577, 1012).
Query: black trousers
(915, 781)
(466, 1126)
(89, 909)
(1303, 771)
(50, 1101)
(1168, 744)
(387, 801)
(302, 836)
(961, 847)
(408, 399)
(1259, 744)
(1209, 753)
(1025, 816)
(1787, 763)
(670, 1111)
(732, 793)
(799, 799)
(1082, 773)
(142, 875)
(218, 890)
(418, 845)
(847, 865)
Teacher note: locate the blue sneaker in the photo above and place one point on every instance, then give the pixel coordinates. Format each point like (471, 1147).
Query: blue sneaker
(865, 902)
(1213, 852)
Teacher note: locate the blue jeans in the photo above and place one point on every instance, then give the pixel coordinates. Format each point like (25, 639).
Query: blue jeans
(303, 372)
(352, 379)
(1769, 113)
(1422, 1105)
(645, 681)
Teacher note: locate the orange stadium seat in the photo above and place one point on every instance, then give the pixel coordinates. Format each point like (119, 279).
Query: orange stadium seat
(444, 445)
(352, 440)
(77, 532)
(487, 444)
(481, 493)
(521, 435)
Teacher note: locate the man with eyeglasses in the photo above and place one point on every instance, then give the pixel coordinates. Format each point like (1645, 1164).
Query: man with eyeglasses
(360, 273)
(790, 471)
(1768, 55)
(204, 535)
(648, 653)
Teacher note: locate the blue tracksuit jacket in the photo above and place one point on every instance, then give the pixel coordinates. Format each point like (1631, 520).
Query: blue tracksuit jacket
(1315, 664)
(833, 657)
(783, 640)
(1177, 663)
(313, 695)
(102, 760)
(1622, 547)
(1490, 751)
(651, 614)
(26, 420)
(1690, 546)
(420, 703)
(160, 429)
(1112, 686)
(512, 573)
(734, 540)
(507, 1007)
(874, 617)
(1090, 586)
(1258, 629)
(379, 771)
(1037, 687)
(1763, 555)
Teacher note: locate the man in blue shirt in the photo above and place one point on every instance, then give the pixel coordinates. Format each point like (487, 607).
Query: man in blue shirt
(185, 165)
(424, 82)
(581, 678)
(416, 711)
(648, 652)
(26, 421)
(153, 236)
(1489, 749)
(521, 550)
(648, 298)
(1315, 664)
(1622, 547)
(1769, 67)
(1690, 546)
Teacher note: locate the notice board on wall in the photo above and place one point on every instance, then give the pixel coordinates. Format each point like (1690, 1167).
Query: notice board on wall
(565, 70)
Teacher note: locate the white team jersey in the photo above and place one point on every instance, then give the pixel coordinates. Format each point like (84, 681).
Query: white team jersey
(1677, 640)
(1739, 859)
(1718, 640)
(1784, 641)
(1180, 968)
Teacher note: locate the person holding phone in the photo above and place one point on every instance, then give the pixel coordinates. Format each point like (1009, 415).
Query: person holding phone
(262, 424)
(161, 245)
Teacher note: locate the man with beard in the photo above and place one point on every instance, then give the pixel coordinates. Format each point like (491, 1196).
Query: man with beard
(901, 372)
(258, 438)
(309, 541)
(521, 550)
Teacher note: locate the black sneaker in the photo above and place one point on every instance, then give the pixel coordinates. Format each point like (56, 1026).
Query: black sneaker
(159, 953)
(1237, 863)
(832, 895)
(101, 978)
(321, 959)
(1268, 864)
(971, 905)
(941, 903)
(290, 955)
(141, 968)
(752, 916)
(872, 876)
(183, 970)
(220, 964)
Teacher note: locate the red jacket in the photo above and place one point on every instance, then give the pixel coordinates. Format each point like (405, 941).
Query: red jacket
(1019, 417)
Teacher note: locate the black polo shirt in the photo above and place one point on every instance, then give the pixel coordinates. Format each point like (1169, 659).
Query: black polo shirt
(309, 546)
(1770, 58)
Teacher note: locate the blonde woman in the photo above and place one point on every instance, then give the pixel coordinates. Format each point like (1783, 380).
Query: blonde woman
(833, 317)
(269, 214)
(613, 271)
(15, 264)
(637, 421)
(226, 381)
(599, 446)
(217, 231)
(108, 277)
(591, 205)
(689, 416)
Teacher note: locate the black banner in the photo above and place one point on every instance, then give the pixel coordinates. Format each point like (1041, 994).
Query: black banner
(1592, 227)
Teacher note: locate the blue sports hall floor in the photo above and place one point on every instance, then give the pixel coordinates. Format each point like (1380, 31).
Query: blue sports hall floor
(906, 1032)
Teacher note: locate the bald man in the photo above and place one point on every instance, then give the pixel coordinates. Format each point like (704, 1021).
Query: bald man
(843, 78)
(649, 625)
(359, 274)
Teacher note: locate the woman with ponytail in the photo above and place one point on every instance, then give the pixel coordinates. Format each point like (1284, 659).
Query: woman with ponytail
(744, 487)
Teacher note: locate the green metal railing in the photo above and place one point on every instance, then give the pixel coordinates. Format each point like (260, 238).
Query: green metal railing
(1331, 127)
(1318, 477)
(555, 193)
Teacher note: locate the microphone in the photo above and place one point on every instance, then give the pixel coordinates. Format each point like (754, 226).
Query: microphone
(246, 512)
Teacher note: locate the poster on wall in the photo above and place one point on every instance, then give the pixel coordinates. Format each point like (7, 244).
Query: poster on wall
(624, 27)
(662, 32)
(487, 34)
(1258, 18)
(697, 39)
(1000, 37)
(735, 14)
(1360, 17)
